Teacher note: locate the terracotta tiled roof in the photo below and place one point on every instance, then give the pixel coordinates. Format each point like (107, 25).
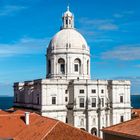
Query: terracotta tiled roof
(136, 111)
(64, 131)
(3, 112)
(129, 129)
(12, 125)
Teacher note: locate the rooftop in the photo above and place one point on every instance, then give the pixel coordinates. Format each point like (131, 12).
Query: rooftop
(136, 112)
(12, 126)
(129, 129)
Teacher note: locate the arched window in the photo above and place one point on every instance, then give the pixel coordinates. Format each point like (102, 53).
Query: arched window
(94, 131)
(49, 66)
(94, 121)
(61, 63)
(87, 67)
(66, 21)
(82, 122)
(77, 65)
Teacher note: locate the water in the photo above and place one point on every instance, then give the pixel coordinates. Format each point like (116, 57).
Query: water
(135, 101)
(7, 102)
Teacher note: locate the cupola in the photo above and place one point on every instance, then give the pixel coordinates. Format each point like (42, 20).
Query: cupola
(68, 19)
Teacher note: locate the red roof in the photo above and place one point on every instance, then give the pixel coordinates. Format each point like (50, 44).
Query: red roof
(136, 112)
(129, 129)
(12, 125)
(3, 112)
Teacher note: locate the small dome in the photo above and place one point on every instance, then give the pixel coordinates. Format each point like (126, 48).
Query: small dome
(68, 38)
(68, 13)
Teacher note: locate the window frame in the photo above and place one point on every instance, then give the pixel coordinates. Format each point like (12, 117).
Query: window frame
(102, 102)
(82, 104)
(61, 63)
(54, 100)
(66, 99)
(93, 104)
(81, 91)
(121, 99)
(102, 90)
(66, 21)
(93, 90)
(122, 118)
(49, 66)
(76, 67)
(62, 68)
(38, 100)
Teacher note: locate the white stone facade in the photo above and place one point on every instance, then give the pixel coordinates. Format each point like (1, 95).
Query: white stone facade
(67, 93)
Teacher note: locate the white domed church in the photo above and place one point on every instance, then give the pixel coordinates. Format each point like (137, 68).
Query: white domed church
(68, 93)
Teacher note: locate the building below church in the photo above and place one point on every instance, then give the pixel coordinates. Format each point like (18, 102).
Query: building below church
(68, 93)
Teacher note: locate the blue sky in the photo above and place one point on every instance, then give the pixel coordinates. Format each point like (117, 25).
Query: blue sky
(111, 28)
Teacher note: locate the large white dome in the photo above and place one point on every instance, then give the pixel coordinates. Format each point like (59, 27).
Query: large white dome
(68, 38)
(68, 55)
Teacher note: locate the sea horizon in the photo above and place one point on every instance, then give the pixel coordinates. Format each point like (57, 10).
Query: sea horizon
(7, 101)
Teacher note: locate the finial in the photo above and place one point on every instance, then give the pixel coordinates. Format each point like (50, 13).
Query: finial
(68, 8)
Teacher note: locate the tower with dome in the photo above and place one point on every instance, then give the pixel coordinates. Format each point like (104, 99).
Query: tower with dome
(68, 93)
(68, 55)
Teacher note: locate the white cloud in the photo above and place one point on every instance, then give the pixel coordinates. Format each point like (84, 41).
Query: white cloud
(86, 32)
(123, 14)
(103, 40)
(118, 15)
(125, 52)
(86, 20)
(24, 46)
(11, 9)
(108, 26)
(137, 66)
(99, 24)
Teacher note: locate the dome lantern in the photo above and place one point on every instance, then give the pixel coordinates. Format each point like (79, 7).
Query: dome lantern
(68, 19)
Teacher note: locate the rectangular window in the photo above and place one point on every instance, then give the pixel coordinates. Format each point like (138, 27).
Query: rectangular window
(121, 99)
(121, 118)
(76, 67)
(66, 91)
(38, 100)
(102, 102)
(93, 91)
(102, 91)
(62, 68)
(81, 91)
(53, 100)
(93, 102)
(66, 99)
(82, 102)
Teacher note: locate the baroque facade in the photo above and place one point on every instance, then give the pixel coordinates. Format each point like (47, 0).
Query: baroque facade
(68, 93)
